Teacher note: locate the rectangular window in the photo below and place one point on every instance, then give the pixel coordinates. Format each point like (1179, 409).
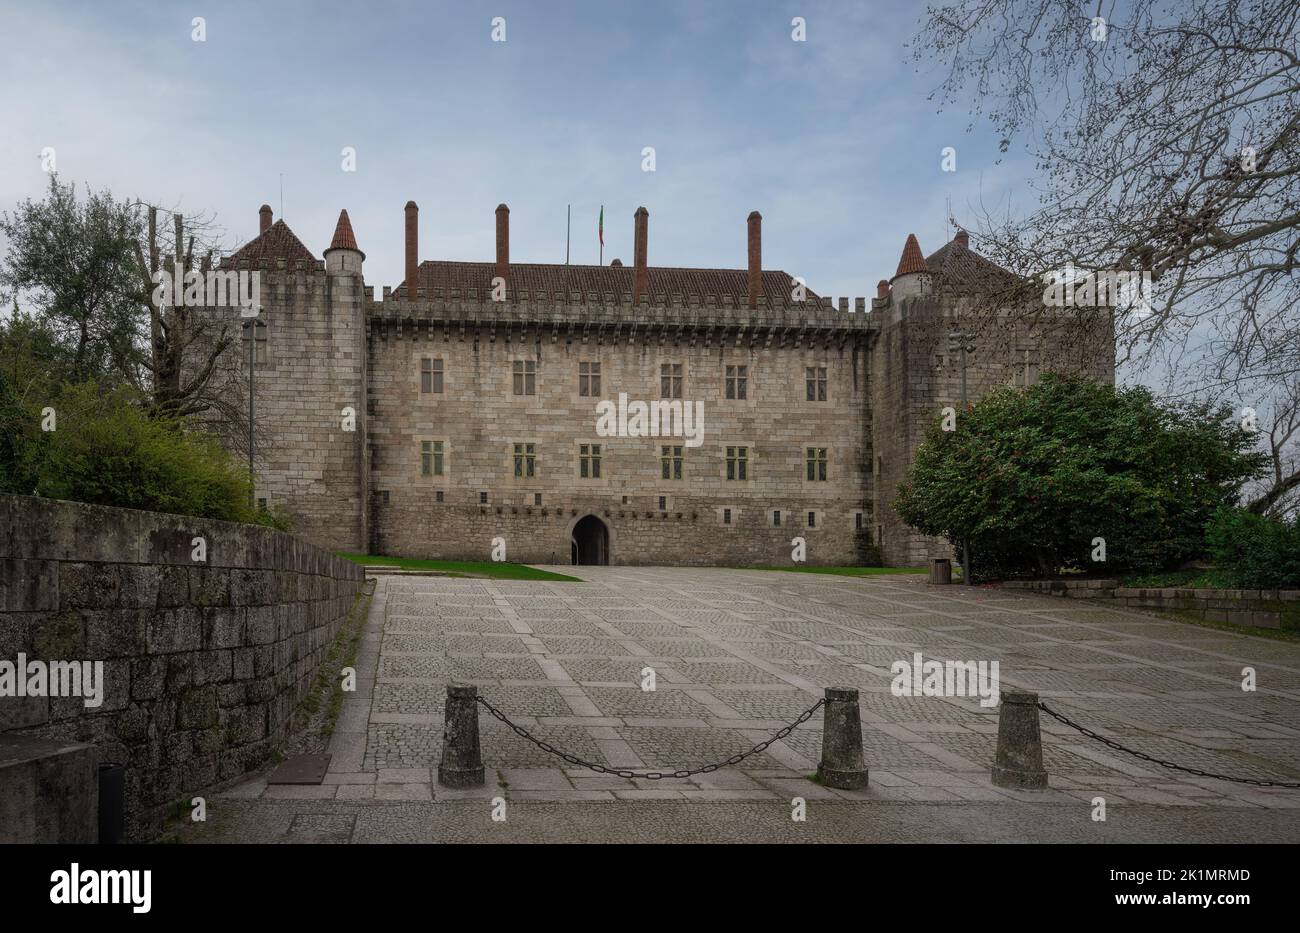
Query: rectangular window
(589, 379)
(816, 461)
(776, 518)
(812, 519)
(525, 373)
(525, 460)
(857, 520)
(537, 498)
(726, 516)
(663, 503)
(737, 463)
(670, 462)
(430, 375)
(589, 461)
(431, 458)
(670, 380)
(260, 355)
(737, 382)
(482, 498)
(437, 496)
(815, 379)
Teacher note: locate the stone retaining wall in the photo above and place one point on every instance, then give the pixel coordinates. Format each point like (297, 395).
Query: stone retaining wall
(204, 659)
(1277, 609)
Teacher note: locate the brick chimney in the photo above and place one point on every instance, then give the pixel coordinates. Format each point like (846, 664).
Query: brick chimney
(962, 239)
(503, 242)
(264, 218)
(641, 276)
(412, 248)
(882, 289)
(755, 257)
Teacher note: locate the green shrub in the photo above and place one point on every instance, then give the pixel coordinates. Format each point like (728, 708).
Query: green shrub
(1254, 552)
(105, 449)
(1033, 476)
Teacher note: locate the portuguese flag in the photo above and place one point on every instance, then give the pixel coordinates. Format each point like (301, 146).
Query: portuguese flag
(600, 227)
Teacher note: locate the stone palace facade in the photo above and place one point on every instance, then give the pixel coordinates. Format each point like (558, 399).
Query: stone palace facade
(458, 415)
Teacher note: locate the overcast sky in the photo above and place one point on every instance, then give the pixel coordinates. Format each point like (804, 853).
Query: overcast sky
(832, 139)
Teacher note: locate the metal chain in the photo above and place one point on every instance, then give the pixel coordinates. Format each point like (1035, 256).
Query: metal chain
(653, 775)
(1157, 761)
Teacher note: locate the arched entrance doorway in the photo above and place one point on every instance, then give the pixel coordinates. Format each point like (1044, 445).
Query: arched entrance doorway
(590, 541)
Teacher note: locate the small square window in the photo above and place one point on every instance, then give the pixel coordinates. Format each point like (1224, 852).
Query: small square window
(431, 459)
(726, 516)
(670, 380)
(738, 463)
(589, 461)
(815, 380)
(525, 460)
(737, 382)
(482, 498)
(430, 374)
(670, 462)
(525, 377)
(815, 460)
(589, 379)
(437, 496)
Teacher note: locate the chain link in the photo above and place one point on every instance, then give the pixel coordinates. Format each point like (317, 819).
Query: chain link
(1157, 761)
(652, 775)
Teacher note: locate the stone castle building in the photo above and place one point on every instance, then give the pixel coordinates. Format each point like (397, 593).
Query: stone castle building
(456, 415)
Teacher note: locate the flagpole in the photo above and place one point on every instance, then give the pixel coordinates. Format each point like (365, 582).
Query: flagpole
(568, 225)
(601, 261)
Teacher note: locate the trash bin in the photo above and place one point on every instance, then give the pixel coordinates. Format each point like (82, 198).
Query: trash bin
(941, 570)
(112, 803)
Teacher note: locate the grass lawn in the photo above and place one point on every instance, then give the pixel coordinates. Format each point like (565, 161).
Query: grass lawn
(500, 570)
(844, 571)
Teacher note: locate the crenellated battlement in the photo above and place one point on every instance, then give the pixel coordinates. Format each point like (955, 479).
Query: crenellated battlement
(616, 313)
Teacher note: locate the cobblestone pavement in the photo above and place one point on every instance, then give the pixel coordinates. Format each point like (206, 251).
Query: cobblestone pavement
(738, 654)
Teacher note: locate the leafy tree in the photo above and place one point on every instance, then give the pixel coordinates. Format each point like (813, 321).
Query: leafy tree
(1255, 552)
(1033, 476)
(1167, 141)
(85, 269)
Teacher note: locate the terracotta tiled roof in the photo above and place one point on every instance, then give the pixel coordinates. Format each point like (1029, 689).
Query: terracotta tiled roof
(278, 242)
(911, 260)
(551, 278)
(343, 236)
(960, 268)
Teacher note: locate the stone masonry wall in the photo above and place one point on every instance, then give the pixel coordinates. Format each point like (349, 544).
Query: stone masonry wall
(477, 418)
(1276, 609)
(307, 464)
(203, 661)
(916, 373)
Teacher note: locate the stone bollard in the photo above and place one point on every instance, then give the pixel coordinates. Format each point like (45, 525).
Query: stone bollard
(842, 765)
(462, 762)
(941, 570)
(1019, 760)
